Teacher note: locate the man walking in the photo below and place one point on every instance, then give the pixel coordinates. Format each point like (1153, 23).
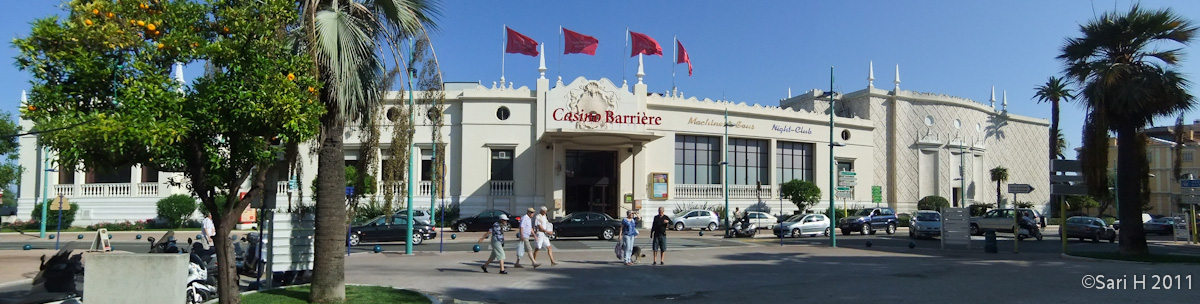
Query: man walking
(525, 231)
(497, 234)
(209, 230)
(658, 237)
(544, 229)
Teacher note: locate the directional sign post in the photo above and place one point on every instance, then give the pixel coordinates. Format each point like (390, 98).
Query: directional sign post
(1019, 188)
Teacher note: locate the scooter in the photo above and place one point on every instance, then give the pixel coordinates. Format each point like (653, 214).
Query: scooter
(1028, 228)
(201, 286)
(744, 229)
(55, 280)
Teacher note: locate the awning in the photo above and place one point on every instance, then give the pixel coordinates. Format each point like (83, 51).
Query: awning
(599, 137)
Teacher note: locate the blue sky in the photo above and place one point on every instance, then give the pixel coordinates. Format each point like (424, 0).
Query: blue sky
(754, 51)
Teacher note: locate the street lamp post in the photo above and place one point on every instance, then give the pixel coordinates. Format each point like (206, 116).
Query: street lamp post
(412, 118)
(45, 188)
(832, 167)
(725, 164)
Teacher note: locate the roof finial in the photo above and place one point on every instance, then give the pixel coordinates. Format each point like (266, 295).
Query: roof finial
(640, 72)
(870, 76)
(24, 98)
(897, 77)
(1005, 104)
(993, 100)
(542, 58)
(789, 92)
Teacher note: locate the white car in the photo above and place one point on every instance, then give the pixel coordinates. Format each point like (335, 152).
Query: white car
(762, 219)
(704, 219)
(804, 224)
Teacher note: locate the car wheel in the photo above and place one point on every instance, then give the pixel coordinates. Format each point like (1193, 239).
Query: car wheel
(607, 234)
(796, 232)
(1112, 239)
(845, 231)
(417, 239)
(828, 230)
(1096, 237)
(712, 226)
(354, 240)
(679, 226)
(462, 227)
(553, 236)
(891, 228)
(1082, 239)
(975, 230)
(866, 229)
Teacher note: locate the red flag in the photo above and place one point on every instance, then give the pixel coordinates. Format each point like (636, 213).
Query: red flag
(576, 43)
(643, 44)
(683, 57)
(520, 44)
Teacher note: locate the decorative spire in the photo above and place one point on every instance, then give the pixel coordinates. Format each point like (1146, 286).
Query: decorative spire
(179, 72)
(870, 77)
(1005, 104)
(542, 58)
(897, 77)
(789, 93)
(993, 100)
(640, 72)
(24, 98)
(502, 82)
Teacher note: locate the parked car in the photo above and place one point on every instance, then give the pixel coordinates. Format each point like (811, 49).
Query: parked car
(1000, 220)
(1145, 218)
(866, 221)
(762, 219)
(1085, 227)
(695, 219)
(422, 216)
(379, 229)
(483, 221)
(586, 224)
(803, 224)
(1161, 226)
(925, 223)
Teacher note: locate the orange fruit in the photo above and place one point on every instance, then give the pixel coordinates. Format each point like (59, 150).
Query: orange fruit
(225, 30)
(32, 108)
(291, 76)
(151, 26)
(195, 44)
(311, 89)
(156, 33)
(144, 6)
(87, 21)
(132, 22)
(95, 11)
(160, 45)
(141, 23)
(110, 15)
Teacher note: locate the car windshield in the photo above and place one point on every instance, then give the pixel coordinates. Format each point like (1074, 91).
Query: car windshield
(864, 212)
(795, 218)
(928, 216)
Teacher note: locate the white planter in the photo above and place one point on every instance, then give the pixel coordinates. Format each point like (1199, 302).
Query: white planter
(292, 242)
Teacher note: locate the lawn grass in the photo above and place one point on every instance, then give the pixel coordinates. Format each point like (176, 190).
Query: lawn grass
(1150, 258)
(354, 295)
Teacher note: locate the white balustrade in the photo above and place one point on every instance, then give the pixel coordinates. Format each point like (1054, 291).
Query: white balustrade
(703, 191)
(425, 188)
(108, 190)
(281, 187)
(502, 188)
(64, 190)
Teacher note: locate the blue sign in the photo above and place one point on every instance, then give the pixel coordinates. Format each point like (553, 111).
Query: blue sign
(349, 191)
(1190, 183)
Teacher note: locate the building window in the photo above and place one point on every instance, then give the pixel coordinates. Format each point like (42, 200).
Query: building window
(697, 159)
(747, 160)
(149, 175)
(502, 164)
(795, 161)
(426, 165)
(503, 113)
(66, 176)
(1188, 156)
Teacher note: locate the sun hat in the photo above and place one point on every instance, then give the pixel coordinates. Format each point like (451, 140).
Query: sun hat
(503, 217)
(530, 210)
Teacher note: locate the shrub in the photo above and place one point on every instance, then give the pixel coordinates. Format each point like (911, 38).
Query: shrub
(803, 194)
(176, 208)
(1024, 205)
(122, 226)
(366, 212)
(451, 213)
(842, 213)
(68, 216)
(720, 210)
(690, 206)
(978, 209)
(220, 200)
(933, 202)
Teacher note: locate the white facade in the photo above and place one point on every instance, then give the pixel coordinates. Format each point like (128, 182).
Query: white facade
(586, 144)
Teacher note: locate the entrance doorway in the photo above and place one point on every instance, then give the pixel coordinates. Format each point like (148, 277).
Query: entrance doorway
(956, 197)
(591, 182)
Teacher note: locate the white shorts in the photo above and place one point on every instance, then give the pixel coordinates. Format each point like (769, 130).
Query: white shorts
(543, 242)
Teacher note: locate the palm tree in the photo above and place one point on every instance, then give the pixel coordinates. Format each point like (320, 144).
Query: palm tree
(1060, 146)
(346, 40)
(999, 175)
(1126, 82)
(1053, 91)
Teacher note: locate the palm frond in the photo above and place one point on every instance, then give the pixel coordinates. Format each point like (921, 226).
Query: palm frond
(346, 53)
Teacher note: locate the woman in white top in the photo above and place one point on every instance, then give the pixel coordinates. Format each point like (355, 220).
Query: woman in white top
(543, 228)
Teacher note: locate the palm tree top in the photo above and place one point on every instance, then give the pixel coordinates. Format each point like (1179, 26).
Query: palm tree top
(1055, 89)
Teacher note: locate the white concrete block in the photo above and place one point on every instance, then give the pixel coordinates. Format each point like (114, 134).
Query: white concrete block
(135, 278)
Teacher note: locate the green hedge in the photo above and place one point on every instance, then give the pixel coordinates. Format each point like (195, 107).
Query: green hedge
(176, 209)
(68, 216)
(933, 202)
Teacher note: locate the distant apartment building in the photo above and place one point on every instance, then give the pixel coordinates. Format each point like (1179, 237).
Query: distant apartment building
(1165, 188)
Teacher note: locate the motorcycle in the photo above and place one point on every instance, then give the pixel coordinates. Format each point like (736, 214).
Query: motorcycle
(1028, 228)
(743, 229)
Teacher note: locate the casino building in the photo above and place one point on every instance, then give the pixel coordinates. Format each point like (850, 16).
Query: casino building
(595, 145)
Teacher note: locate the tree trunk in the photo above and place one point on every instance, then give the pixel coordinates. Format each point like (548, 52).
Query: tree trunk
(329, 279)
(1129, 193)
(1054, 129)
(999, 196)
(227, 277)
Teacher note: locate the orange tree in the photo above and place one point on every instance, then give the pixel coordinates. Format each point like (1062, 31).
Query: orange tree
(102, 82)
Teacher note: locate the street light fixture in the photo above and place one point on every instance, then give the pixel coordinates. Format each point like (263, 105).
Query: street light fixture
(832, 164)
(725, 164)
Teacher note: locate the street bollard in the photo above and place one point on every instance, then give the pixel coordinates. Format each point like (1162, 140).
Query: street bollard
(989, 242)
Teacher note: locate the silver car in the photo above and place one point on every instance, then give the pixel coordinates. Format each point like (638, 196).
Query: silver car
(762, 219)
(695, 219)
(421, 216)
(804, 224)
(925, 223)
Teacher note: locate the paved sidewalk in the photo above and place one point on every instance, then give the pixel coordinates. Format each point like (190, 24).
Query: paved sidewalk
(769, 274)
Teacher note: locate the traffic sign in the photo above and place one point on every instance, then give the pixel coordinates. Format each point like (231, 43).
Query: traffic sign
(847, 173)
(1190, 183)
(847, 178)
(847, 183)
(877, 194)
(843, 188)
(60, 203)
(843, 194)
(1019, 188)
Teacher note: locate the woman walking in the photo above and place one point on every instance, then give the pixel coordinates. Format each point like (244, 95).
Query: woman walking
(497, 234)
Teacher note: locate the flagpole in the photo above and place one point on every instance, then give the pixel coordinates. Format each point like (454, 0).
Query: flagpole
(674, 59)
(623, 58)
(563, 38)
(503, 47)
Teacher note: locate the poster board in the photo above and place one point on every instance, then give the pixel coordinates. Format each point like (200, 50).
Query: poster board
(658, 185)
